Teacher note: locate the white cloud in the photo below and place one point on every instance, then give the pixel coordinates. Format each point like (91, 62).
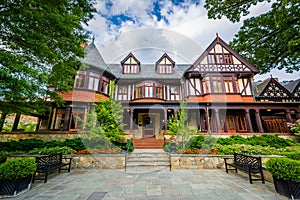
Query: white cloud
(186, 33)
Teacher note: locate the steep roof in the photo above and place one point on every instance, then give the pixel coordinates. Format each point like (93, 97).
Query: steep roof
(271, 89)
(93, 57)
(148, 72)
(259, 87)
(291, 86)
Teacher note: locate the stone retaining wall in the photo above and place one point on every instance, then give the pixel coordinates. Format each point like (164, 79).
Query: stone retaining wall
(210, 161)
(45, 136)
(93, 161)
(99, 161)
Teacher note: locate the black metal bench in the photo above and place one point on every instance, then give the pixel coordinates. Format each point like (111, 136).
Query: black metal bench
(251, 164)
(48, 163)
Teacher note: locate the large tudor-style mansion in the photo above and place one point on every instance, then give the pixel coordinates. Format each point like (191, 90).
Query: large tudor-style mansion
(218, 89)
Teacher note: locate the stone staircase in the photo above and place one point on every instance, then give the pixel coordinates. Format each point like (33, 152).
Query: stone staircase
(147, 158)
(148, 143)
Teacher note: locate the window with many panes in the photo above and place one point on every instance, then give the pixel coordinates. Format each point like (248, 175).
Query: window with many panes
(174, 92)
(77, 117)
(221, 58)
(104, 85)
(216, 84)
(94, 81)
(59, 120)
(122, 92)
(165, 68)
(149, 90)
(80, 79)
(228, 83)
(131, 68)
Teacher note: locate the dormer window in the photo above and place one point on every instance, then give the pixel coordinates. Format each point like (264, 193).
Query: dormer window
(130, 65)
(165, 65)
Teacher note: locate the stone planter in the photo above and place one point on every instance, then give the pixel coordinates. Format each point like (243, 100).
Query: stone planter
(11, 188)
(287, 188)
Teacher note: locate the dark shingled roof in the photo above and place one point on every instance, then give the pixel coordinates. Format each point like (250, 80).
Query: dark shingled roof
(148, 71)
(260, 86)
(93, 58)
(292, 85)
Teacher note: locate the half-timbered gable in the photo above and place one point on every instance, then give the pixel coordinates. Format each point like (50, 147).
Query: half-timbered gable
(219, 70)
(219, 57)
(294, 88)
(271, 90)
(130, 64)
(165, 65)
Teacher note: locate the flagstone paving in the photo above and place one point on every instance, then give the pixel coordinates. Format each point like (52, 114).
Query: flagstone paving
(150, 184)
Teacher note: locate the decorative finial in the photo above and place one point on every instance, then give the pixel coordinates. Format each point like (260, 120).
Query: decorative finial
(218, 39)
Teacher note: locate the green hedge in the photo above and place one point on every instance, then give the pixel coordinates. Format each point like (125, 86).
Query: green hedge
(284, 168)
(51, 150)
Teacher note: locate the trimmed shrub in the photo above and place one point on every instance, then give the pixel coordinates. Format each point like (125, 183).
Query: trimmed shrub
(17, 168)
(284, 168)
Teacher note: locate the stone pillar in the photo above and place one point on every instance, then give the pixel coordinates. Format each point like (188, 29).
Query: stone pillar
(2, 120)
(249, 124)
(16, 122)
(258, 121)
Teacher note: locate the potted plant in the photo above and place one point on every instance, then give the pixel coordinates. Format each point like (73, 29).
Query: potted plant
(16, 176)
(286, 176)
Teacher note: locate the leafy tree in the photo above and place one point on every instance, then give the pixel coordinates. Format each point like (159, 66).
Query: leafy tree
(180, 127)
(110, 117)
(270, 40)
(39, 50)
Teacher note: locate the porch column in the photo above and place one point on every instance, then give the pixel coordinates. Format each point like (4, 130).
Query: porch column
(165, 119)
(175, 113)
(208, 119)
(288, 116)
(298, 115)
(16, 122)
(249, 124)
(258, 121)
(131, 119)
(67, 119)
(2, 120)
(217, 120)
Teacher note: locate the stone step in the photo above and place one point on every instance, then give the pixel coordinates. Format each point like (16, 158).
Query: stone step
(148, 143)
(148, 159)
(152, 155)
(145, 163)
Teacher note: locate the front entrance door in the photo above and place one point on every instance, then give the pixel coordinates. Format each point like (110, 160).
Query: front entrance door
(148, 126)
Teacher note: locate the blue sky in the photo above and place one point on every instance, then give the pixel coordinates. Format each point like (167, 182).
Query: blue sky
(150, 27)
